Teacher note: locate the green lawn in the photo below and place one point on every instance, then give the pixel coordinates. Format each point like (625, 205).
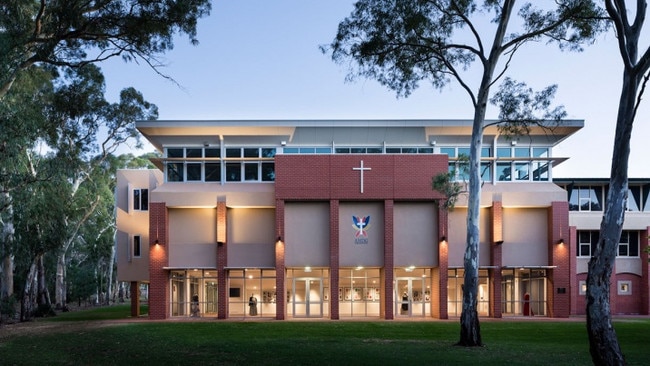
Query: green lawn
(310, 343)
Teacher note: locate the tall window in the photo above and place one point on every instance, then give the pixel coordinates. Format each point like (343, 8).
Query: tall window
(141, 199)
(633, 197)
(137, 246)
(587, 241)
(628, 246)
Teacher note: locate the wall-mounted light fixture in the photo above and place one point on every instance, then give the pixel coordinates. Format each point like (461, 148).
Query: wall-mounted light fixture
(443, 238)
(560, 242)
(513, 143)
(220, 243)
(279, 239)
(156, 242)
(498, 242)
(283, 143)
(433, 142)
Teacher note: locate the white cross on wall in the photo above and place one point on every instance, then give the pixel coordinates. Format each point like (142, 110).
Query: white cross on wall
(361, 169)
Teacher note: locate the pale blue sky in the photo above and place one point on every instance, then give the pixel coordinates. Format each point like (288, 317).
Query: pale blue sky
(259, 59)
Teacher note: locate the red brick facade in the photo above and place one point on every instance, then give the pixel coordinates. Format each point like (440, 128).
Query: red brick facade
(222, 262)
(559, 288)
(158, 259)
(496, 259)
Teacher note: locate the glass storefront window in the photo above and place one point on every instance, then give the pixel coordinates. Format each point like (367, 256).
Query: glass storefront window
(455, 280)
(308, 292)
(523, 291)
(193, 293)
(251, 293)
(359, 292)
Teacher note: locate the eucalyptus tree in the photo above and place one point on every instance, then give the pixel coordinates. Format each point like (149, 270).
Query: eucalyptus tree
(628, 24)
(22, 123)
(88, 129)
(402, 43)
(39, 210)
(78, 32)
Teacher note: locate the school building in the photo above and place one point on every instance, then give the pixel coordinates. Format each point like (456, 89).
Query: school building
(338, 219)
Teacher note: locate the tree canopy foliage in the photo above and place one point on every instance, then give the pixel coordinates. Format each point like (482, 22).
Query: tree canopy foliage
(78, 32)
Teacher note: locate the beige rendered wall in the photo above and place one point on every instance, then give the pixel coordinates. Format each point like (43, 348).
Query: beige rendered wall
(130, 223)
(525, 237)
(352, 254)
(192, 237)
(307, 234)
(457, 237)
(415, 232)
(251, 237)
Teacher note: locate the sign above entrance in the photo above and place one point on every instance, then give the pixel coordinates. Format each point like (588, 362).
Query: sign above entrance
(361, 225)
(361, 169)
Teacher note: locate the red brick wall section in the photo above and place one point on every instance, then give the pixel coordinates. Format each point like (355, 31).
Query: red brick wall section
(440, 286)
(222, 261)
(280, 269)
(645, 282)
(559, 289)
(581, 300)
(628, 304)
(389, 259)
(158, 259)
(577, 307)
(334, 259)
(324, 177)
(135, 299)
(496, 259)
(613, 297)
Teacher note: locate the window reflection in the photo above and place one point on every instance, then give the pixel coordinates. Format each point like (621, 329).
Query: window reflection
(585, 198)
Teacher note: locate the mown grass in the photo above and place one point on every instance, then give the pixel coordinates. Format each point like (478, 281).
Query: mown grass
(314, 343)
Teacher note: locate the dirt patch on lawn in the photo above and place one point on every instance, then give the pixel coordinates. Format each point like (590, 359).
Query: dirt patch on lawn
(37, 327)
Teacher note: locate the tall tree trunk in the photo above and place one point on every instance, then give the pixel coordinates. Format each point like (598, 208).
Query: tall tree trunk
(7, 280)
(603, 342)
(43, 296)
(27, 299)
(470, 330)
(109, 271)
(60, 293)
(6, 248)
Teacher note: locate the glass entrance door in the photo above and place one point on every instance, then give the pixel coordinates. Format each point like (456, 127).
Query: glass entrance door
(307, 297)
(409, 297)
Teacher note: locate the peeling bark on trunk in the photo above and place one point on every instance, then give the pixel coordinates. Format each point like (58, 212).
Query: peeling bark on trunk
(7, 280)
(27, 298)
(43, 295)
(603, 342)
(59, 287)
(470, 331)
(6, 241)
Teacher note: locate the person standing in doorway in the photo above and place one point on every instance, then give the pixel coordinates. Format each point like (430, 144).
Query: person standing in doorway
(252, 304)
